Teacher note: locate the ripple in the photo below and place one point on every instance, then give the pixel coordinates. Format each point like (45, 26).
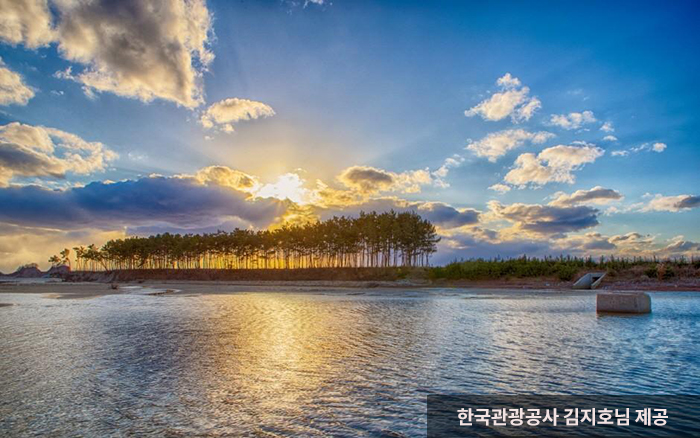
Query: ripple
(274, 364)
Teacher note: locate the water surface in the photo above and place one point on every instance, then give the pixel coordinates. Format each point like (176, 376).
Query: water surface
(343, 363)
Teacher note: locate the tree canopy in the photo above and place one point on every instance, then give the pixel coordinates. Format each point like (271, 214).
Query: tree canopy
(370, 240)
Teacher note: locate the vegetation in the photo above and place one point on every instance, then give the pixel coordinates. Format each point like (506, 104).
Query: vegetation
(370, 240)
(563, 268)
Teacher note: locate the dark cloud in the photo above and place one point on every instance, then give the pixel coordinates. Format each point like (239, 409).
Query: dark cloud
(366, 179)
(594, 195)
(20, 161)
(181, 202)
(547, 219)
(447, 216)
(689, 202)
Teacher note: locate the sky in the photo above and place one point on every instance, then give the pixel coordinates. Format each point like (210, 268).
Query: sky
(533, 128)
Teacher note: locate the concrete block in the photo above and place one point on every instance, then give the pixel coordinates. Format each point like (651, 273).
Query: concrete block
(623, 303)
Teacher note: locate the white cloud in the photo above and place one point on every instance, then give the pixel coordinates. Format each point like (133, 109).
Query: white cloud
(499, 143)
(37, 151)
(555, 164)
(500, 188)
(513, 100)
(288, 186)
(370, 180)
(442, 172)
(659, 147)
(13, 90)
(672, 203)
(610, 138)
(143, 49)
(572, 120)
(607, 127)
(26, 22)
(678, 245)
(646, 147)
(225, 113)
(596, 195)
(508, 81)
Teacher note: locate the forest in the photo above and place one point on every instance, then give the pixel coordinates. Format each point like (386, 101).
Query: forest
(373, 239)
(565, 268)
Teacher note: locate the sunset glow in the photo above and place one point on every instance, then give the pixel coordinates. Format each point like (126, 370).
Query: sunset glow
(274, 112)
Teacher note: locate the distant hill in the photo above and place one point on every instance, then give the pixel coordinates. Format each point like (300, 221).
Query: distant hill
(31, 271)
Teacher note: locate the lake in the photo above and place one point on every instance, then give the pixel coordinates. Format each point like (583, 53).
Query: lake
(340, 363)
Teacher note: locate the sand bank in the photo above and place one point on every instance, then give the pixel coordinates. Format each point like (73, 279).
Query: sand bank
(64, 290)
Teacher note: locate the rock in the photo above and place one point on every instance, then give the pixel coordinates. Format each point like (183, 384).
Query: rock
(623, 303)
(57, 271)
(27, 272)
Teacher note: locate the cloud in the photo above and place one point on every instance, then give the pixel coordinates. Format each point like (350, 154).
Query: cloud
(672, 203)
(545, 219)
(26, 22)
(497, 144)
(288, 186)
(657, 147)
(21, 245)
(13, 90)
(480, 242)
(572, 120)
(607, 127)
(37, 151)
(596, 195)
(442, 215)
(226, 177)
(224, 113)
(475, 242)
(447, 216)
(682, 246)
(500, 188)
(610, 138)
(370, 180)
(630, 244)
(586, 243)
(513, 100)
(143, 49)
(555, 164)
(176, 201)
(451, 162)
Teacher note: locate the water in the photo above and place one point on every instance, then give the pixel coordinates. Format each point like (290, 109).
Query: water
(320, 364)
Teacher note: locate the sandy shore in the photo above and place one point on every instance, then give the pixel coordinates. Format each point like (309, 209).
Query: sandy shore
(90, 289)
(64, 290)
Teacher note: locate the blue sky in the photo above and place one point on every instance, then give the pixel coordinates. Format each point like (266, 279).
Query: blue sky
(316, 92)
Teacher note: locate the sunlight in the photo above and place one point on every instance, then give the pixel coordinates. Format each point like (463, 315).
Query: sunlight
(288, 186)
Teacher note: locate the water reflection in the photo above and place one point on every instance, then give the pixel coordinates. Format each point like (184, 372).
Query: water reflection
(319, 364)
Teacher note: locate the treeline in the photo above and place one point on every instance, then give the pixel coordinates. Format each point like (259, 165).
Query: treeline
(563, 268)
(371, 240)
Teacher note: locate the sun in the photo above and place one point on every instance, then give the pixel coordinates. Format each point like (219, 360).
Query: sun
(288, 186)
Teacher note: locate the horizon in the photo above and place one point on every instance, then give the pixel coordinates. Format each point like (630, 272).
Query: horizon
(515, 128)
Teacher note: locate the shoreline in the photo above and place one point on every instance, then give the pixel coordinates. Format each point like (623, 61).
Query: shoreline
(87, 289)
